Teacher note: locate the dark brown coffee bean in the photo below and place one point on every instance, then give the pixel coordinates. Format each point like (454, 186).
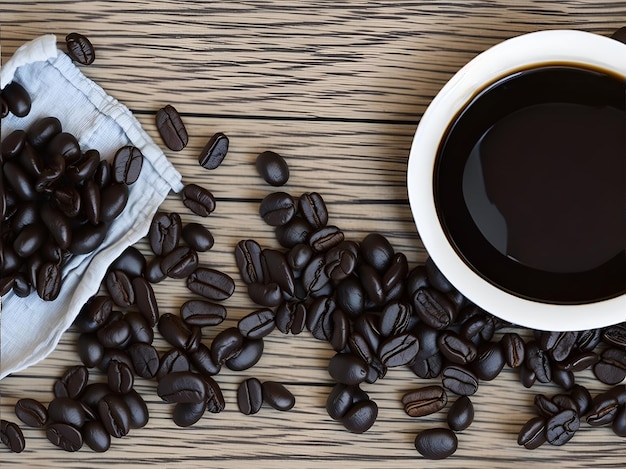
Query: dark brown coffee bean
(459, 380)
(272, 168)
(120, 377)
(561, 427)
(210, 283)
(65, 145)
(424, 401)
(198, 199)
(226, 344)
(545, 406)
(80, 49)
(165, 232)
(182, 386)
(127, 165)
(114, 415)
(325, 238)
(13, 144)
(538, 361)
(33, 163)
(145, 359)
(154, 274)
(90, 350)
(558, 344)
(564, 402)
(563, 378)
(49, 281)
(257, 324)
(377, 252)
(145, 301)
(393, 279)
(611, 369)
(65, 436)
(436, 443)
(17, 179)
(279, 271)
(29, 240)
(360, 417)
(114, 353)
(84, 170)
(94, 313)
(17, 99)
(489, 361)
(95, 436)
(115, 333)
(40, 133)
(202, 313)
(339, 263)
(198, 237)
(66, 410)
(581, 396)
(113, 200)
(188, 413)
(215, 398)
(174, 360)
(588, 340)
(171, 128)
(203, 362)
(67, 199)
(398, 350)
(32, 412)
(350, 296)
(319, 317)
(313, 209)
(277, 396)
(249, 396)
(619, 422)
(248, 254)
(314, 277)
(434, 308)
(120, 288)
(138, 410)
(478, 326)
(11, 435)
(249, 355)
(340, 330)
(214, 152)
(513, 348)
(342, 398)
(299, 256)
(103, 175)
(372, 284)
(290, 317)
(615, 335)
(277, 208)
(295, 231)
(603, 410)
(90, 201)
(175, 331)
(74, 380)
(347, 368)
(180, 263)
(131, 261)
(87, 238)
(4, 107)
(456, 348)
(533, 433)
(461, 414)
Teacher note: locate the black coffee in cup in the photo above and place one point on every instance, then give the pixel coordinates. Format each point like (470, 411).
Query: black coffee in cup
(530, 184)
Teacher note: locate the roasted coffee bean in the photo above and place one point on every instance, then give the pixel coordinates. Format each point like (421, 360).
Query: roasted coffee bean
(319, 317)
(372, 284)
(17, 99)
(459, 380)
(10, 262)
(111, 354)
(84, 170)
(314, 277)
(90, 350)
(538, 361)
(114, 415)
(214, 152)
(615, 335)
(146, 302)
(174, 360)
(198, 199)
(176, 332)
(29, 240)
(138, 410)
(513, 348)
(248, 254)
(33, 163)
(120, 288)
(171, 128)
(249, 355)
(13, 144)
(277, 396)
(6, 284)
(545, 406)
(339, 263)
(619, 393)
(113, 199)
(340, 330)
(187, 413)
(299, 256)
(215, 398)
(279, 271)
(202, 313)
(603, 410)
(290, 317)
(325, 238)
(66, 145)
(558, 344)
(489, 361)
(21, 285)
(350, 296)
(461, 414)
(393, 279)
(202, 361)
(180, 263)
(313, 209)
(360, 417)
(257, 324)
(154, 274)
(398, 350)
(581, 396)
(611, 369)
(249, 396)
(80, 49)
(26, 213)
(295, 231)
(90, 201)
(32, 412)
(165, 232)
(272, 168)
(115, 333)
(265, 294)
(93, 393)
(456, 348)
(342, 398)
(127, 165)
(367, 326)
(198, 237)
(42, 131)
(436, 443)
(131, 261)
(11, 435)
(424, 401)
(226, 344)
(103, 175)
(619, 422)
(95, 436)
(49, 281)
(67, 199)
(561, 427)
(182, 386)
(87, 238)
(65, 436)
(434, 308)
(277, 208)
(477, 325)
(211, 283)
(94, 313)
(587, 340)
(533, 433)
(74, 380)
(377, 252)
(120, 377)
(359, 346)
(66, 410)
(19, 181)
(347, 368)
(563, 378)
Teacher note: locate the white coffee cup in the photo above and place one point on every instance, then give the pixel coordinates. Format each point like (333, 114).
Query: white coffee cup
(519, 53)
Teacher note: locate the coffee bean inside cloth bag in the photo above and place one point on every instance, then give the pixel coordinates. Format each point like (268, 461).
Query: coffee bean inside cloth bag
(31, 327)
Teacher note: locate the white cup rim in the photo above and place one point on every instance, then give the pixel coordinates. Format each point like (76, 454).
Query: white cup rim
(529, 50)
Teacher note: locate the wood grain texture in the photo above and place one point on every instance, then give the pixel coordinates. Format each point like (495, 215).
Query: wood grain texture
(337, 88)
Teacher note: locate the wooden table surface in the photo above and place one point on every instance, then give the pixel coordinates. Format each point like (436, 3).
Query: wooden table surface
(337, 88)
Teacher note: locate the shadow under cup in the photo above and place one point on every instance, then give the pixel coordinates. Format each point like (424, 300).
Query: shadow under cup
(530, 184)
